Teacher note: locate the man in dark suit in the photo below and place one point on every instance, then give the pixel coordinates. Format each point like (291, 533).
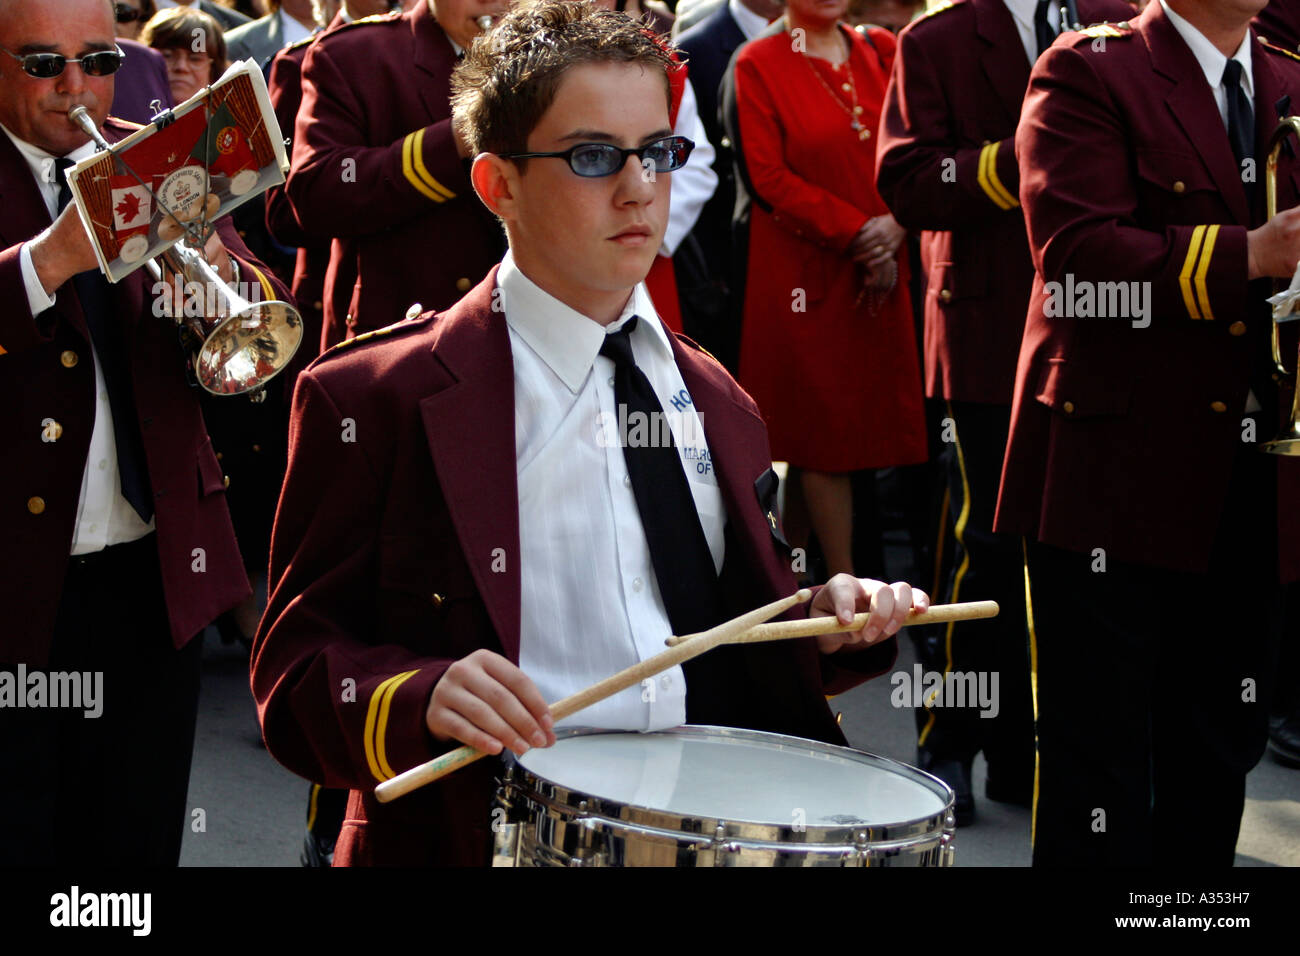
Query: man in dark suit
(116, 508)
(708, 46)
(375, 162)
(1156, 530)
(289, 21)
(947, 166)
(419, 554)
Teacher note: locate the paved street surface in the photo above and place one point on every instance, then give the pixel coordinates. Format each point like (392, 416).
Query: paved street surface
(254, 808)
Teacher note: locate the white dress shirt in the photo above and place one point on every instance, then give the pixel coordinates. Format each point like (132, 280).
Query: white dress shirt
(590, 601)
(694, 183)
(1022, 11)
(104, 516)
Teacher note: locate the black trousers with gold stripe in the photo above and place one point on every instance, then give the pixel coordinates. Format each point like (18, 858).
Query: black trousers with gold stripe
(1152, 691)
(108, 790)
(986, 566)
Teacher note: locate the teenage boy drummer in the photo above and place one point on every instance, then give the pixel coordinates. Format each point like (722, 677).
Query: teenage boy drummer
(476, 519)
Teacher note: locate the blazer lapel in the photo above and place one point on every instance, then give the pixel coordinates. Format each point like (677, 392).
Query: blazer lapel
(470, 428)
(739, 446)
(1003, 56)
(1192, 104)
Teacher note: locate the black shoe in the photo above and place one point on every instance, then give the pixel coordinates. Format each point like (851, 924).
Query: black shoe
(1284, 739)
(956, 774)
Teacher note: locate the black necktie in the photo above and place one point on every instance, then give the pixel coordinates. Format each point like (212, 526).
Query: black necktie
(108, 337)
(1241, 125)
(678, 549)
(1043, 32)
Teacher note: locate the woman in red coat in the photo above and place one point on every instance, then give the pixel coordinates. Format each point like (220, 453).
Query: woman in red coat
(827, 346)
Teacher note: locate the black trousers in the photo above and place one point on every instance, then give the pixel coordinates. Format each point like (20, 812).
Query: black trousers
(986, 566)
(1152, 691)
(107, 790)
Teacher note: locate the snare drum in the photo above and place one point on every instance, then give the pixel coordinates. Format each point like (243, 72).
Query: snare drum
(716, 796)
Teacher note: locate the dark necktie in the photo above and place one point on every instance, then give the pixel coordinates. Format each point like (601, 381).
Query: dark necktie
(108, 337)
(1043, 32)
(678, 549)
(1241, 118)
(1241, 125)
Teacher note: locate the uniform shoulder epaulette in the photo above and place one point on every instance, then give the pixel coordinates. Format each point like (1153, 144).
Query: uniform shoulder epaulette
(310, 38)
(375, 335)
(1107, 30)
(377, 18)
(939, 7)
(1280, 50)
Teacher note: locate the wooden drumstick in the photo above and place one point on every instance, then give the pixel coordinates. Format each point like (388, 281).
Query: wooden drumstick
(692, 645)
(813, 626)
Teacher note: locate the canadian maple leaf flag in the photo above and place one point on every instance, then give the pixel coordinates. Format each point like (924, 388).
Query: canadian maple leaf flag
(131, 207)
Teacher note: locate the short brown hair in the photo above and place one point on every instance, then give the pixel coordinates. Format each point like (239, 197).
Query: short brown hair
(510, 74)
(174, 28)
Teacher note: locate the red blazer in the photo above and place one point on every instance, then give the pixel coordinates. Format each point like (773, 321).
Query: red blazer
(953, 102)
(375, 164)
(46, 371)
(1123, 438)
(396, 552)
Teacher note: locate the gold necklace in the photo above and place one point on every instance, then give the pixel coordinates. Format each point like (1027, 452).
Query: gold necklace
(850, 87)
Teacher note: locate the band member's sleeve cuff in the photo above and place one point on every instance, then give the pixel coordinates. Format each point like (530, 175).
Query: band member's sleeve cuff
(396, 737)
(430, 162)
(997, 174)
(1213, 270)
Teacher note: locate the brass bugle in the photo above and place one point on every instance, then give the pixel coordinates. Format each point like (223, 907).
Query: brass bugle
(247, 343)
(1288, 441)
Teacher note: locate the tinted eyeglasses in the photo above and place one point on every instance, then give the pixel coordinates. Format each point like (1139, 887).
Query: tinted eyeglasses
(601, 159)
(45, 66)
(127, 14)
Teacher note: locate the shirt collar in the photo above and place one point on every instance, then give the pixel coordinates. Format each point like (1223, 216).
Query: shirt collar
(750, 23)
(1207, 55)
(37, 157)
(563, 338)
(1024, 10)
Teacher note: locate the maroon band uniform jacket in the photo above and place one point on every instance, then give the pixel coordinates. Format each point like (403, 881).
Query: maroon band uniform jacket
(396, 552)
(375, 167)
(1123, 436)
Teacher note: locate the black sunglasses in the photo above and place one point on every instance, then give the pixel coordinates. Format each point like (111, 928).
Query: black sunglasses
(45, 66)
(602, 159)
(126, 14)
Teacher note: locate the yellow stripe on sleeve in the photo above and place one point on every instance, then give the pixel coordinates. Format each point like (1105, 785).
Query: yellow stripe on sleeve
(268, 290)
(1185, 277)
(996, 181)
(1203, 295)
(989, 183)
(380, 751)
(377, 702)
(417, 154)
(408, 170)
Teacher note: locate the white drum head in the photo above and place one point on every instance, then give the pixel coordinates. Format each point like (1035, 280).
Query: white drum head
(760, 778)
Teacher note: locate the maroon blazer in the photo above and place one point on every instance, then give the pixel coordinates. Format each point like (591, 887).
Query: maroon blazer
(946, 164)
(46, 371)
(1123, 438)
(375, 164)
(396, 552)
